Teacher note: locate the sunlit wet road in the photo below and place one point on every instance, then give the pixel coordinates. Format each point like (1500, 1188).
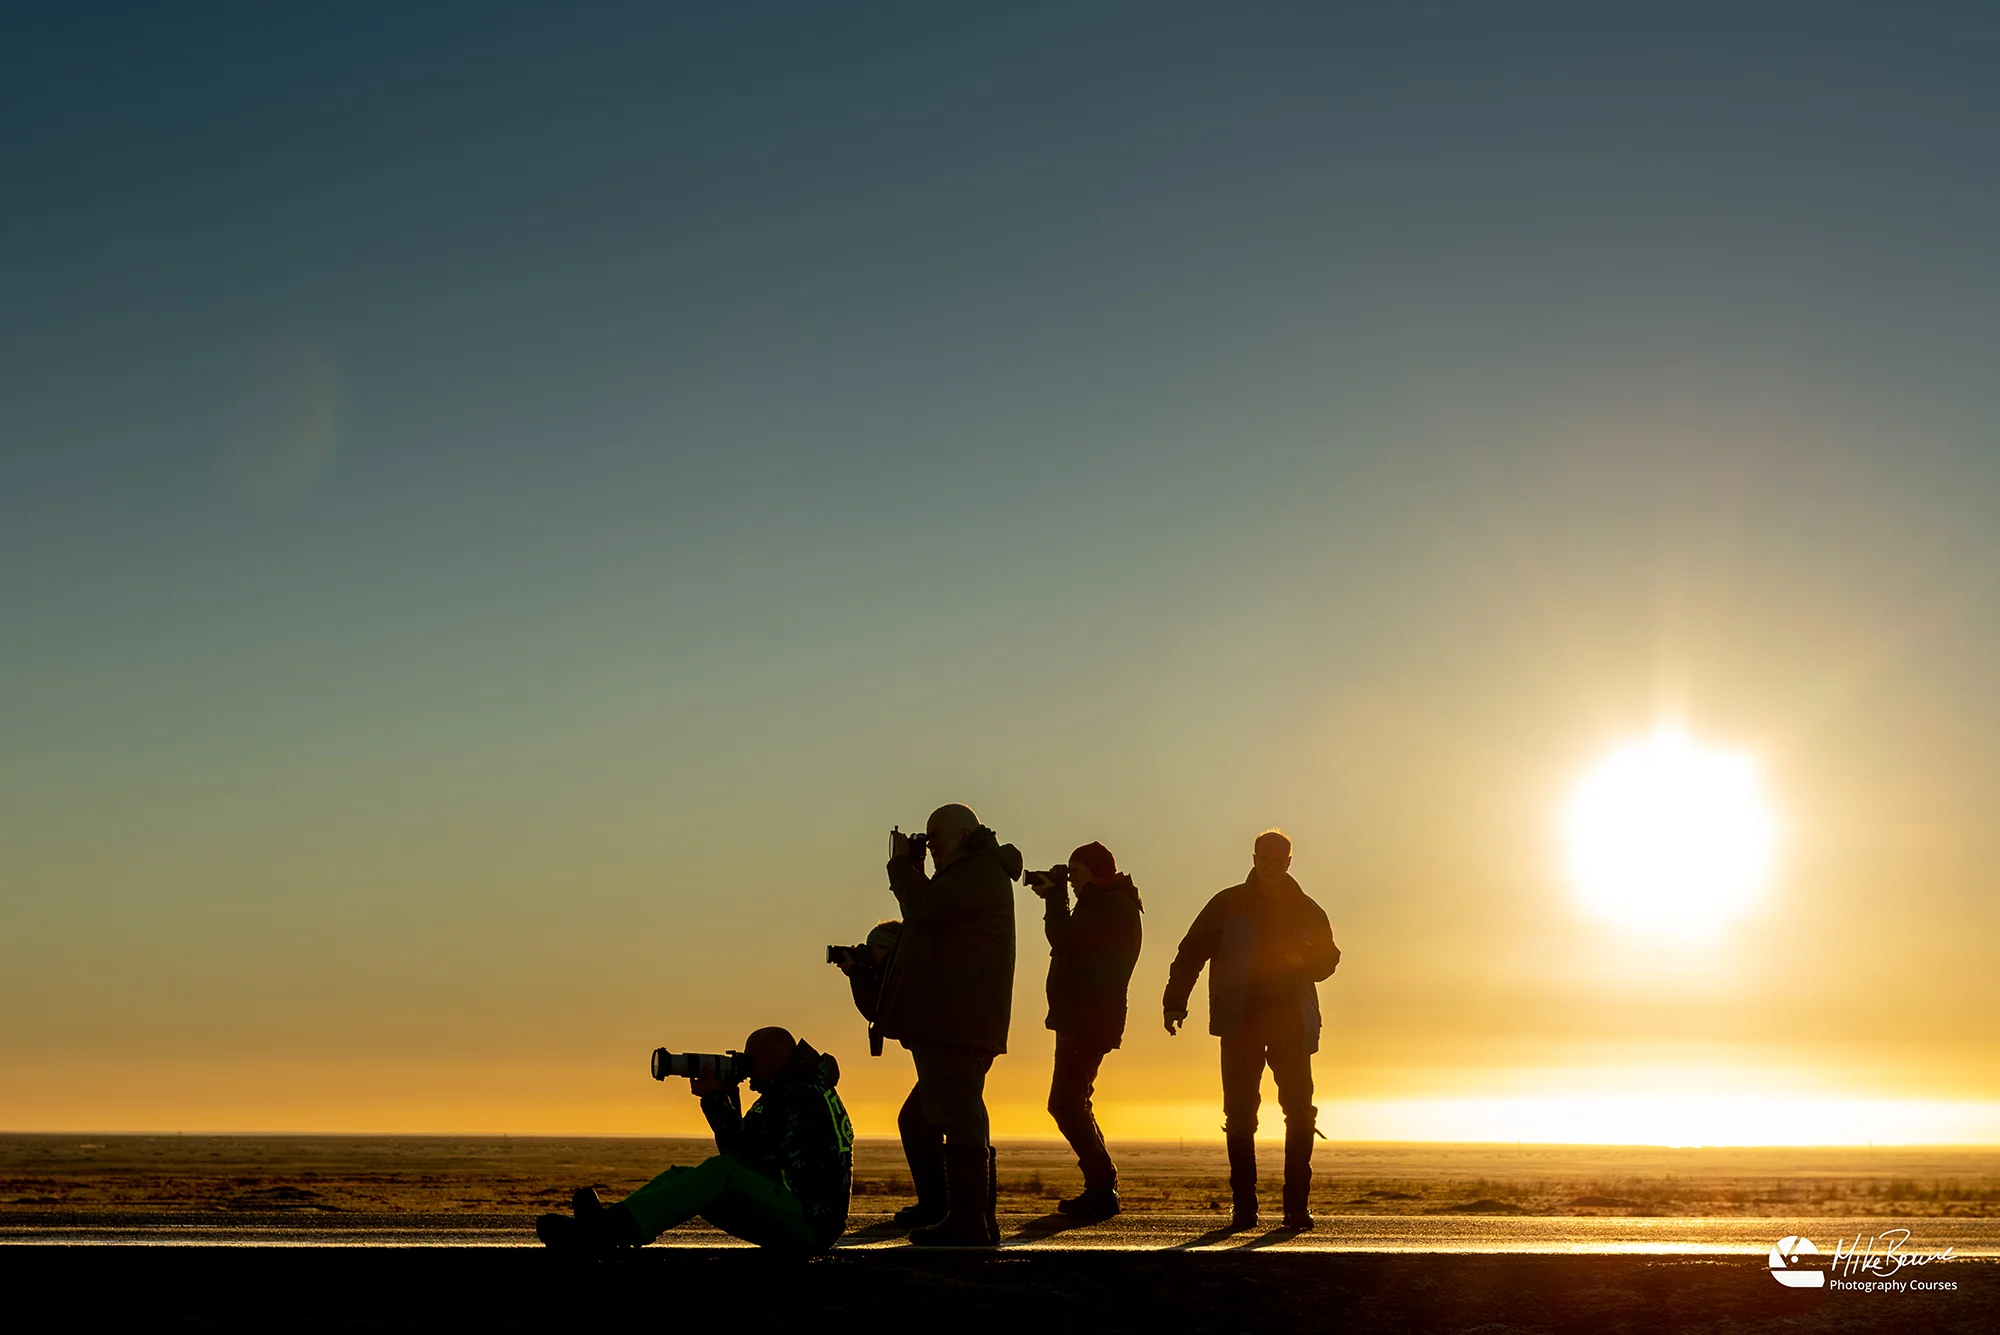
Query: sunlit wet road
(1967, 1237)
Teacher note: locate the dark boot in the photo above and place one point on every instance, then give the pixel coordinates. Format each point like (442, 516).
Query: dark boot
(1242, 1179)
(993, 1195)
(558, 1233)
(1095, 1203)
(1298, 1176)
(967, 1173)
(927, 1175)
(923, 1147)
(573, 1236)
(602, 1227)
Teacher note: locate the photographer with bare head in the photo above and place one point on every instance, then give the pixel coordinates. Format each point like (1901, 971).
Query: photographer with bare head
(1270, 944)
(947, 995)
(781, 1173)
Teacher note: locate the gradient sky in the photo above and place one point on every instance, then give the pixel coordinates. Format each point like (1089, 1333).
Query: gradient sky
(502, 507)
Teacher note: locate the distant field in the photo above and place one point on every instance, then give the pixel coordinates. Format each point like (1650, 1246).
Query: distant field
(46, 1176)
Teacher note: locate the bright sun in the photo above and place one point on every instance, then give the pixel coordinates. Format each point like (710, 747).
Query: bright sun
(1667, 836)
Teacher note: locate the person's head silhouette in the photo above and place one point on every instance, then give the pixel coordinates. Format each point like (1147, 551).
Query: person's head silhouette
(768, 1050)
(947, 830)
(1271, 858)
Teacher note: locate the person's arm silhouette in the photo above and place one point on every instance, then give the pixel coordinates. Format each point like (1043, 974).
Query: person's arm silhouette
(1197, 949)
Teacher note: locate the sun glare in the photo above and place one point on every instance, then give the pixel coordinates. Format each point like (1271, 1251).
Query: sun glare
(1669, 837)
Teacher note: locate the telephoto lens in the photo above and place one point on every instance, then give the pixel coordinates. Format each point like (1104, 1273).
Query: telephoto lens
(729, 1068)
(1046, 883)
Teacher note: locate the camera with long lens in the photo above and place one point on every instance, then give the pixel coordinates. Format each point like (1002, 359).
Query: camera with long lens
(726, 1068)
(1046, 883)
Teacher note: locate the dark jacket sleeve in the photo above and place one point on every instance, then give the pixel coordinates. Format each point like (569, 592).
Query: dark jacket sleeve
(1197, 949)
(866, 985)
(1096, 928)
(1322, 957)
(755, 1139)
(786, 1128)
(940, 898)
(1057, 922)
(724, 1111)
(806, 1134)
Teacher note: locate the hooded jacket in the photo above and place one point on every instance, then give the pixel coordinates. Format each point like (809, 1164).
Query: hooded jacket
(1092, 951)
(951, 979)
(1251, 989)
(797, 1134)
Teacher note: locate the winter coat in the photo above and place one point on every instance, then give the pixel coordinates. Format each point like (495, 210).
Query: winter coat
(797, 1134)
(864, 980)
(1092, 950)
(1252, 990)
(951, 978)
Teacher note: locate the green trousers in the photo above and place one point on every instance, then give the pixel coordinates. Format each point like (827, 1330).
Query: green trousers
(740, 1201)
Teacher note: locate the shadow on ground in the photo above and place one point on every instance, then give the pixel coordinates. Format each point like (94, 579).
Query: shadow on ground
(1047, 1226)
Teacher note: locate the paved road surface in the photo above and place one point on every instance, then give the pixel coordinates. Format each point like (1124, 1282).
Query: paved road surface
(1968, 1237)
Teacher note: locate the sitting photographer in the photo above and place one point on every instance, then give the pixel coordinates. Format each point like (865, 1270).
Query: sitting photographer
(1092, 951)
(782, 1176)
(948, 997)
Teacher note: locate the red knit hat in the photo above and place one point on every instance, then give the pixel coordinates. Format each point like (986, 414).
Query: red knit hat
(1098, 858)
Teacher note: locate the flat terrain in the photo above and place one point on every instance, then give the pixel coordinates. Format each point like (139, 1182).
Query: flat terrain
(438, 1177)
(416, 1234)
(1048, 1232)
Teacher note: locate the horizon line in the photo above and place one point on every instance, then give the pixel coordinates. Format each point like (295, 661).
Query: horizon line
(1055, 1141)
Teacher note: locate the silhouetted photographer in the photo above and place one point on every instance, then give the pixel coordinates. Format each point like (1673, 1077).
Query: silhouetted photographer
(948, 998)
(1092, 950)
(784, 1169)
(1270, 945)
(866, 966)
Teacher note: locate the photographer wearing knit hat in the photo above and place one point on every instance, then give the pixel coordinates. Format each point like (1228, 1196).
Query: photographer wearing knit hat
(1092, 950)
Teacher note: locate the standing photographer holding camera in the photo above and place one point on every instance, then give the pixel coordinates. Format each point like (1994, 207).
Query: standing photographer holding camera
(947, 997)
(864, 966)
(1092, 950)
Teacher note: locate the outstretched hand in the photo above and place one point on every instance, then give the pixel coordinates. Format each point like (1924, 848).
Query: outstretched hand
(1174, 1019)
(702, 1086)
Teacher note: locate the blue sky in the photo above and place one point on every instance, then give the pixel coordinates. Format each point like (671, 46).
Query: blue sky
(489, 494)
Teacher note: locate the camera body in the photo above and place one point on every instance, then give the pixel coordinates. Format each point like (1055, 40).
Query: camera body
(1046, 883)
(847, 957)
(919, 844)
(728, 1068)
